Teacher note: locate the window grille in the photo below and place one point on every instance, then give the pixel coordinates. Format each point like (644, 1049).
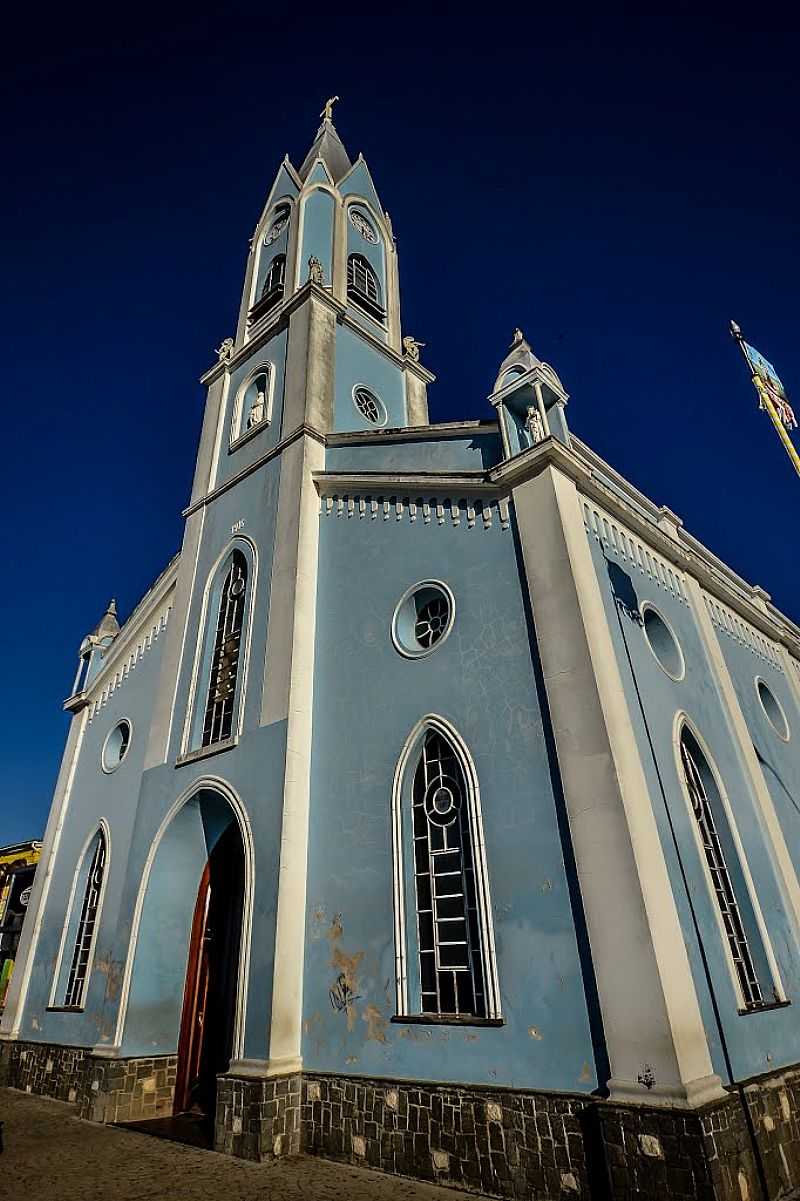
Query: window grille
(76, 981)
(720, 877)
(432, 621)
(218, 722)
(363, 286)
(450, 962)
(369, 406)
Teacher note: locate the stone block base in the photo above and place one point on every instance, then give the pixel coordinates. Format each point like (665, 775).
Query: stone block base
(258, 1118)
(104, 1090)
(502, 1142)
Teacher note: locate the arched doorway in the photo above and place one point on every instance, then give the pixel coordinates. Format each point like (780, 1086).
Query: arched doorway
(205, 1044)
(185, 982)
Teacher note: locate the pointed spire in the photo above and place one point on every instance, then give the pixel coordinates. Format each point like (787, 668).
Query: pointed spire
(519, 355)
(108, 626)
(328, 146)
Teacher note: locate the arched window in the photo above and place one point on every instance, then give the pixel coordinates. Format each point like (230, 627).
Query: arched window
(220, 700)
(83, 946)
(271, 289)
(446, 956)
(725, 874)
(363, 286)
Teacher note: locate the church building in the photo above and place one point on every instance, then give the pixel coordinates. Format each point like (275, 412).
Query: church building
(438, 807)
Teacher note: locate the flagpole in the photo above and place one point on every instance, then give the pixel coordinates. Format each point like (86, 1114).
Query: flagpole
(766, 400)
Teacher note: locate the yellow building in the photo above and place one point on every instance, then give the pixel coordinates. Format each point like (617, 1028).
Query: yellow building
(17, 869)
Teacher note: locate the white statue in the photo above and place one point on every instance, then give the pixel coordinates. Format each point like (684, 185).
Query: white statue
(257, 410)
(225, 350)
(315, 271)
(412, 347)
(534, 425)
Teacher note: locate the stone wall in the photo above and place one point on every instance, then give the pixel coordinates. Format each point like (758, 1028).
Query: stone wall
(509, 1144)
(104, 1090)
(258, 1118)
(512, 1144)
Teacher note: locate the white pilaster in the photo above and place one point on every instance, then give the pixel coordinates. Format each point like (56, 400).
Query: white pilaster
(31, 929)
(648, 999)
(288, 693)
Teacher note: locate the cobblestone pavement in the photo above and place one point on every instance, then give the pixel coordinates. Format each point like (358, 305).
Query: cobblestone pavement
(52, 1154)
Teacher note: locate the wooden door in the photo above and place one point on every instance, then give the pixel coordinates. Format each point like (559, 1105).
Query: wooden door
(195, 1002)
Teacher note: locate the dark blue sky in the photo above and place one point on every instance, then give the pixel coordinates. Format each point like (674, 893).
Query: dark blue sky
(618, 188)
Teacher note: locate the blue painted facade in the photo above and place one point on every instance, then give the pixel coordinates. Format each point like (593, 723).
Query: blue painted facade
(337, 521)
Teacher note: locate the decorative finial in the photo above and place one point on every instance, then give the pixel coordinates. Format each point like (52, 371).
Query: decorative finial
(736, 329)
(225, 350)
(327, 112)
(412, 347)
(112, 607)
(518, 339)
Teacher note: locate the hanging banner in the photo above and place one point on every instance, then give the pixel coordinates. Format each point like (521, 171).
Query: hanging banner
(765, 374)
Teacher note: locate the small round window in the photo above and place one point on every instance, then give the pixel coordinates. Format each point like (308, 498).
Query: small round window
(773, 710)
(370, 406)
(663, 643)
(116, 745)
(423, 619)
(364, 227)
(278, 226)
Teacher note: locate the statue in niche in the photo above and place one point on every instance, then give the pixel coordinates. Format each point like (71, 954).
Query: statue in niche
(257, 409)
(534, 425)
(412, 347)
(316, 273)
(225, 350)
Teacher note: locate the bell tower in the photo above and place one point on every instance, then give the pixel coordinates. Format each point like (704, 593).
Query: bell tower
(323, 261)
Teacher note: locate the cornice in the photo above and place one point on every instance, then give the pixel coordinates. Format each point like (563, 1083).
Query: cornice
(334, 483)
(415, 433)
(300, 432)
(677, 546)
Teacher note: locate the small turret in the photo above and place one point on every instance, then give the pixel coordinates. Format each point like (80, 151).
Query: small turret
(529, 398)
(94, 647)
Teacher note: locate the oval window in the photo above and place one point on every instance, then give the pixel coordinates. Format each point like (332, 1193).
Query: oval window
(115, 747)
(370, 406)
(773, 710)
(663, 643)
(423, 619)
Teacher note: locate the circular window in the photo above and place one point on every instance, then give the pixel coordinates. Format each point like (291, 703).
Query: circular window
(371, 408)
(115, 747)
(364, 227)
(422, 620)
(278, 226)
(773, 710)
(663, 643)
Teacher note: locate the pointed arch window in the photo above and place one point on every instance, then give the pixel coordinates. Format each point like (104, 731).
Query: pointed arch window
(735, 908)
(86, 933)
(363, 286)
(226, 654)
(446, 964)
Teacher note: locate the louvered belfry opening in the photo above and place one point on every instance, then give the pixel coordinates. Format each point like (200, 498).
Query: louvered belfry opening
(218, 722)
(451, 968)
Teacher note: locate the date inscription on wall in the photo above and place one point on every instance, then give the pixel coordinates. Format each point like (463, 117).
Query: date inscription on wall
(237, 525)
